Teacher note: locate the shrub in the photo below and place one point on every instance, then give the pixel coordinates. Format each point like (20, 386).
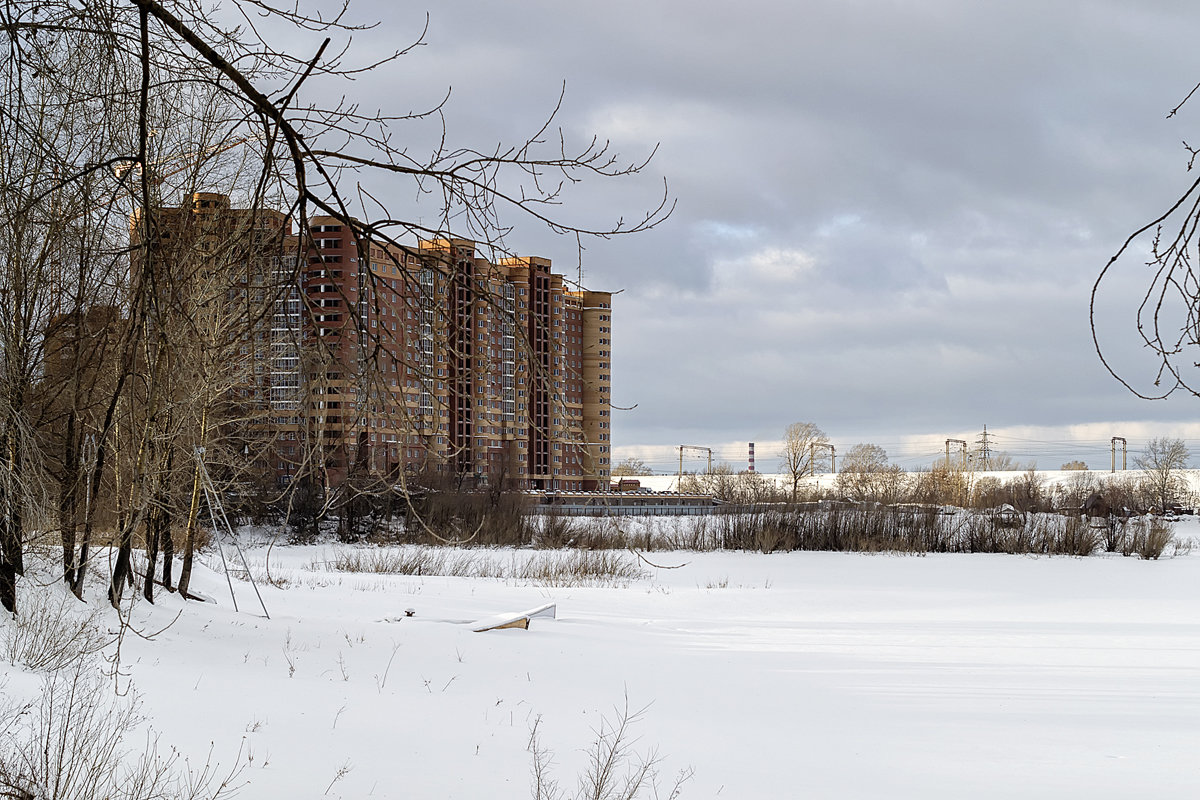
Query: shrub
(70, 745)
(51, 631)
(455, 517)
(614, 771)
(1148, 539)
(1078, 538)
(579, 567)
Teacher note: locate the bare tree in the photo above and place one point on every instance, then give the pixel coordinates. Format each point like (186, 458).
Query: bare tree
(173, 103)
(998, 461)
(1166, 321)
(719, 482)
(631, 466)
(798, 457)
(864, 458)
(59, 261)
(1070, 494)
(867, 475)
(1162, 463)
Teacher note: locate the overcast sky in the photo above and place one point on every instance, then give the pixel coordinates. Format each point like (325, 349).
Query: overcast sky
(890, 214)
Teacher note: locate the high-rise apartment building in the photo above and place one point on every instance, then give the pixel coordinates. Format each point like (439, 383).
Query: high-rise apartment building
(372, 360)
(218, 283)
(438, 361)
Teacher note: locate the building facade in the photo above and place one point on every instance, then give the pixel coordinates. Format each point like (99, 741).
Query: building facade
(435, 361)
(378, 362)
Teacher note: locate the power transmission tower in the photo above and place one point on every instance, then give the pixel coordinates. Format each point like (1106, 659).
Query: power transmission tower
(985, 449)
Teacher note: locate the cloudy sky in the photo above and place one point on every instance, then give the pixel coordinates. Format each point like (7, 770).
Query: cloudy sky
(889, 216)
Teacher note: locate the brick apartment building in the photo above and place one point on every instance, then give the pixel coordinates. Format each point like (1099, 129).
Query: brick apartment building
(418, 361)
(438, 361)
(222, 288)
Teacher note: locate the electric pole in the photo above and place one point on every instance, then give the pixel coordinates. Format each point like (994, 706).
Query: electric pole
(962, 442)
(812, 456)
(1116, 439)
(697, 448)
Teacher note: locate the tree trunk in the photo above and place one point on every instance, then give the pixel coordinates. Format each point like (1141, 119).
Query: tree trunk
(189, 540)
(168, 550)
(166, 518)
(8, 571)
(94, 483)
(8, 587)
(12, 533)
(123, 569)
(85, 541)
(152, 533)
(68, 497)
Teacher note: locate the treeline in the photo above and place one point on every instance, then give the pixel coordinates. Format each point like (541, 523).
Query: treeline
(1029, 491)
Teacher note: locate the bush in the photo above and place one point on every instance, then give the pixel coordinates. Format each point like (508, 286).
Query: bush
(70, 745)
(1078, 538)
(448, 515)
(1148, 538)
(51, 631)
(614, 771)
(906, 529)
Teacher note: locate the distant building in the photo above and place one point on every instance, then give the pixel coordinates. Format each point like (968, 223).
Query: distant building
(368, 359)
(439, 362)
(218, 283)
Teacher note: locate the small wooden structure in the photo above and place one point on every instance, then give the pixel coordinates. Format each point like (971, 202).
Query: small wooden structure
(519, 620)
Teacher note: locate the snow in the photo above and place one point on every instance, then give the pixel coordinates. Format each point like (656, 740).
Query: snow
(789, 675)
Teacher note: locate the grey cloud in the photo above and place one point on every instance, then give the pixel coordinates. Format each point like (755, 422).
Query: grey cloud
(889, 215)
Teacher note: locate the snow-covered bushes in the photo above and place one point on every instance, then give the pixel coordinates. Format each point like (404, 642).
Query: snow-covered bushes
(74, 737)
(1147, 538)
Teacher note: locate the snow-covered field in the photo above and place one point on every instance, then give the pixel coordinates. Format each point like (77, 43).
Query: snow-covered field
(800, 675)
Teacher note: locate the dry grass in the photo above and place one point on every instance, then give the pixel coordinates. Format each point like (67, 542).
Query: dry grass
(541, 568)
(76, 741)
